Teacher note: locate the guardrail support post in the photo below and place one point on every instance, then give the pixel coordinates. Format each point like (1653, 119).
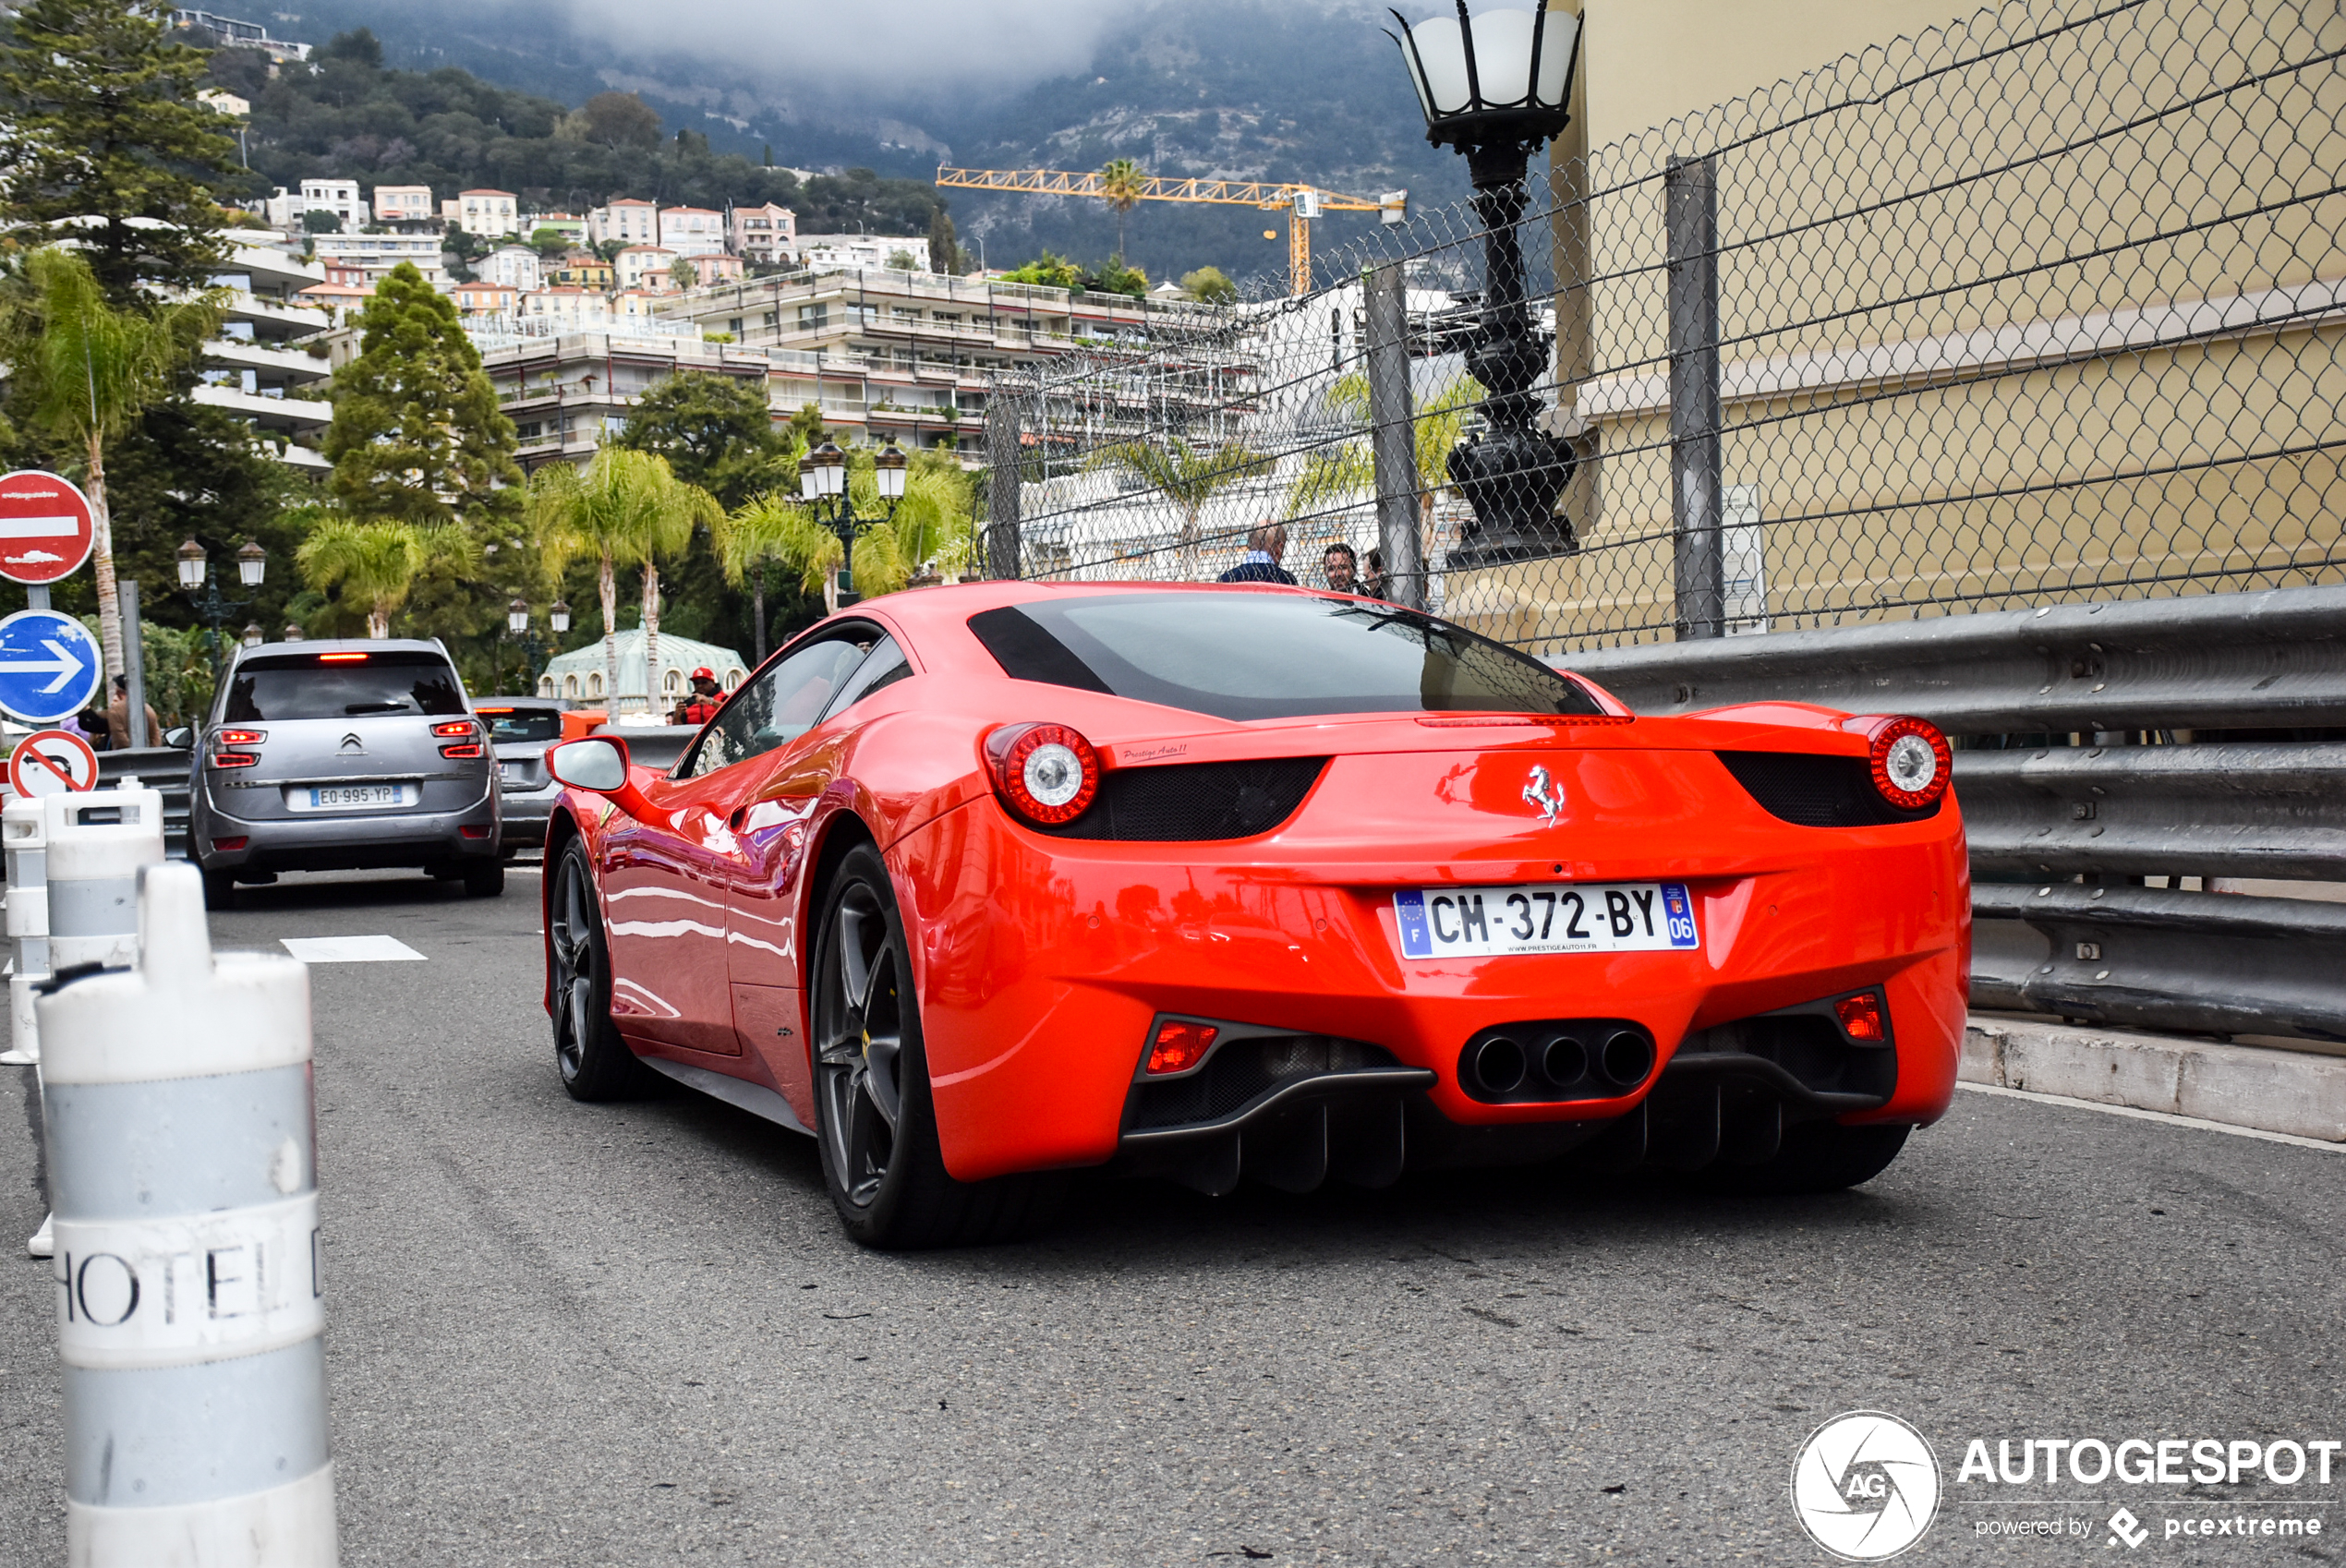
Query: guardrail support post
(1002, 485)
(182, 1150)
(1392, 436)
(1690, 218)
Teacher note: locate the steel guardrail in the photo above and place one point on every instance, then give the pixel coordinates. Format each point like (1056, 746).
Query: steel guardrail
(2232, 690)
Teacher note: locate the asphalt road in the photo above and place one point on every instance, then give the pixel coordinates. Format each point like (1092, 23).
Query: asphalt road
(585, 1335)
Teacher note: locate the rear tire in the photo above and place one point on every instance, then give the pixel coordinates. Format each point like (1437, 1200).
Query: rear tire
(1819, 1157)
(874, 1114)
(485, 881)
(595, 1063)
(218, 890)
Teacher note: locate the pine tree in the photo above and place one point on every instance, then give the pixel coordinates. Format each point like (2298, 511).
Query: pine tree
(417, 436)
(103, 120)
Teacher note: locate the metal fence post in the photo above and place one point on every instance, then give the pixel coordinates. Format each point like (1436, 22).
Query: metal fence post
(182, 1148)
(1002, 485)
(134, 667)
(1392, 422)
(1690, 218)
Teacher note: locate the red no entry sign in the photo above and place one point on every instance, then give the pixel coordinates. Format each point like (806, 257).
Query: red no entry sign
(50, 761)
(45, 528)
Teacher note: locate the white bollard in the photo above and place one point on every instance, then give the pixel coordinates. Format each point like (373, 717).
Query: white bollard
(182, 1141)
(24, 837)
(98, 839)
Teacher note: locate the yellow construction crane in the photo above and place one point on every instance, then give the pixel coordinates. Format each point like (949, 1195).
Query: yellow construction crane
(1303, 202)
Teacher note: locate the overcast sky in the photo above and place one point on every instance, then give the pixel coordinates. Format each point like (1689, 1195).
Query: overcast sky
(888, 45)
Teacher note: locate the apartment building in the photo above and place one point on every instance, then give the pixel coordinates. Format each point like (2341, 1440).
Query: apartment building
(374, 255)
(258, 367)
(581, 269)
(692, 231)
(491, 215)
(872, 251)
(404, 204)
(645, 267)
(570, 225)
(567, 308)
(765, 237)
(516, 266)
(624, 221)
(908, 357)
(484, 299)
(566, 389)
(337, 196)
(234, 33)
(720, 268)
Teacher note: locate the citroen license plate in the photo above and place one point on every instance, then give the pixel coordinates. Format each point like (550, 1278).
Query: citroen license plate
(327, 797)
(1560, 917)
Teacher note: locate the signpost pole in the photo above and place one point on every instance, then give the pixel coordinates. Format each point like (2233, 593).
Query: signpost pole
(36, 596)
(134, 665)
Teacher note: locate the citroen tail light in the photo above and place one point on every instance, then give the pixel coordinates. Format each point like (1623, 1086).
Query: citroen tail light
(466, 753)
(460, 729)
(1046, 773)
(233, 759)
(240, 737)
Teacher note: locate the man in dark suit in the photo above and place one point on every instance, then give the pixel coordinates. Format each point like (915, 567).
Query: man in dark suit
(1265, 543)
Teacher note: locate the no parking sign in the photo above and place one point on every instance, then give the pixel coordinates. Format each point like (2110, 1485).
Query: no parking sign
(50, 761)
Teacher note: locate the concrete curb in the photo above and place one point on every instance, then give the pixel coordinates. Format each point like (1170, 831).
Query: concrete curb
(2296, 1092)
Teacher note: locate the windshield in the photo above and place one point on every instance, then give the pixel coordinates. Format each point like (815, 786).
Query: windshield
(282, 686)
(514, 726)
(1252, 654)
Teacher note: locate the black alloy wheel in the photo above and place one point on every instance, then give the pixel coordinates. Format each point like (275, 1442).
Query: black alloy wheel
(874, 1115)
(595, 1062)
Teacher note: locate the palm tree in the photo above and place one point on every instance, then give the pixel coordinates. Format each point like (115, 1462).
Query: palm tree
(626, 509)
(933, 522)
(373, 564)
(1344, 470)
(1190, 476)
(1122, 182)
(90, 370)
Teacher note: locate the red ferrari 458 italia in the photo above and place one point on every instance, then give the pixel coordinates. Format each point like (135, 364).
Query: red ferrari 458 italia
(983, 883)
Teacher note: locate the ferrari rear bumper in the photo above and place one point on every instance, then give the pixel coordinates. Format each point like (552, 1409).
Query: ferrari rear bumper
(1044, 964)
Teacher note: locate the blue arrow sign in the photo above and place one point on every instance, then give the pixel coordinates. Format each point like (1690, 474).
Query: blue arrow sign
(50, 666)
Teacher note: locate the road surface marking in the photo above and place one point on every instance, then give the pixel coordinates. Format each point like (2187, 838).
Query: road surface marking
(350, 949)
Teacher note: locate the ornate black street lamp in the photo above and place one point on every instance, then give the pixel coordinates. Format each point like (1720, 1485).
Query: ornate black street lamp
(203, 591)
(1493, 84)
(822, 484)
(517, 621)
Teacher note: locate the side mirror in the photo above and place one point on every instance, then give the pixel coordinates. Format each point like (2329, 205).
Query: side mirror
(594, 761)
(180, 739)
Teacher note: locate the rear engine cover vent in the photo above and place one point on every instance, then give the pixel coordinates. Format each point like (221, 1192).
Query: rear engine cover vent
(1195, 801)
(1818, 791)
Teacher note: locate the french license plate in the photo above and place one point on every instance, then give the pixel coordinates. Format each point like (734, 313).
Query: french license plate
(356, 795)
(504, 770)
(1575, 917)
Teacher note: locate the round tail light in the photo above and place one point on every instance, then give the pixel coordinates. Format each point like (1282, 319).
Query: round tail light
(1911, 762)
(1047, 773)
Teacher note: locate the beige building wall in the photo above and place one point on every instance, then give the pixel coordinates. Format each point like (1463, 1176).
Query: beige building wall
(1972, 399)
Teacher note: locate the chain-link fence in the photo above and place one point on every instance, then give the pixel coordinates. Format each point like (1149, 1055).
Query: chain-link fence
(2045, 305)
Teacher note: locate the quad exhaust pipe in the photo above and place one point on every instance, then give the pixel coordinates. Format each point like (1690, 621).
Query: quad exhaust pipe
(1575, 1059)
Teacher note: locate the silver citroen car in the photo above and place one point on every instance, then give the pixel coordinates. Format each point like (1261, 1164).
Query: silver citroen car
(339, 756)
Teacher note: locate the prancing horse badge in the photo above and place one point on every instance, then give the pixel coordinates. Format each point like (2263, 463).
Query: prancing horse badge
(1545, 794)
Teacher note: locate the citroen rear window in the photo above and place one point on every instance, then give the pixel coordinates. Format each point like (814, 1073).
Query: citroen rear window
(275, 687)
(1250, 655)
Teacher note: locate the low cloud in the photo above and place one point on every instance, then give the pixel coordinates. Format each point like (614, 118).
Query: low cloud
(890, 51)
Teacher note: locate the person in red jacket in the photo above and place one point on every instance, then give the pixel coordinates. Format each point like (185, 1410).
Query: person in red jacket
(700, 705)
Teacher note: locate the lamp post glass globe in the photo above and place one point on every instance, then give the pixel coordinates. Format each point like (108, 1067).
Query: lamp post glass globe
(517, 617)
(254, 635)
(252, 564)
(191, 562)
(559, 617)
(888, 468)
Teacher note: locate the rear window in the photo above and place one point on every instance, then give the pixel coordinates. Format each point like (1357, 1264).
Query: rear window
(514, 726)
(282, 686)
(1249, 655)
